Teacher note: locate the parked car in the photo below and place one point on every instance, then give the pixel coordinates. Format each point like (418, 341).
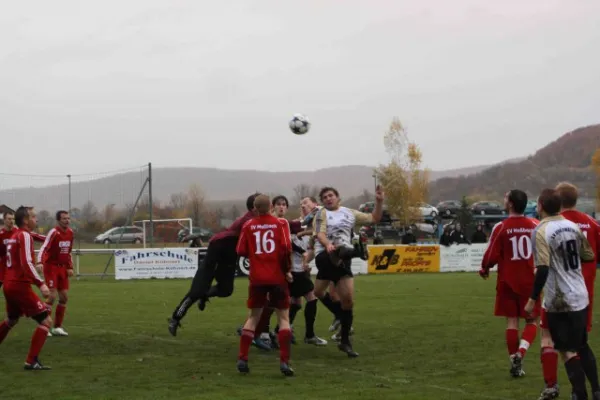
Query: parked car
(202, 233)
(448, 208)
(487, 208)
(121, 234)
(428, 210)
(531, 209)
(369, 206)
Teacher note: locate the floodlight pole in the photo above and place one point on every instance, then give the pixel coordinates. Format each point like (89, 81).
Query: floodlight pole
(69, 177)
(150, 207)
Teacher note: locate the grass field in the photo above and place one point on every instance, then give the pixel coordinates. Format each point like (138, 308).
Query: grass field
(420, 337)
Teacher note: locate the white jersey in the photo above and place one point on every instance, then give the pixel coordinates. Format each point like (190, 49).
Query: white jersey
(560, 245)
(297, 257)
(338, 225)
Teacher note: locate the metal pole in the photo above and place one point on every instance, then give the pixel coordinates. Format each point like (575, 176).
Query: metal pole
(150, 204)
(69, 176)
(375, 178)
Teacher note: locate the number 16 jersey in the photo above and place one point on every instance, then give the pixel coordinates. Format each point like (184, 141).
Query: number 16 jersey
(511, 249)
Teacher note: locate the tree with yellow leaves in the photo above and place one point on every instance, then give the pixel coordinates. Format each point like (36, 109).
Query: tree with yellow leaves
(596, 167)
(404, 180)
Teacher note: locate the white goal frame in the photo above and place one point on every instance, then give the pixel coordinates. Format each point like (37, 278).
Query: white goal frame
(178, 220)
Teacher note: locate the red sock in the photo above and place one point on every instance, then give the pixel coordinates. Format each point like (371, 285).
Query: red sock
(263, 323)
(549, 359)
(37, 342)
(60, 315)
(245, 342)
(527, 338)
(285, 340)
(512, 341)
(4, 329)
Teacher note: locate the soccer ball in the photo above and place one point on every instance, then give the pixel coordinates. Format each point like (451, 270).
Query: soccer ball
(299, 124)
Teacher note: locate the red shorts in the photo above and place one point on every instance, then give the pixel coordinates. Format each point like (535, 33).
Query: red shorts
(511, 304)
(590, 288)
(22, 300)
(275, 296)
(56, 277)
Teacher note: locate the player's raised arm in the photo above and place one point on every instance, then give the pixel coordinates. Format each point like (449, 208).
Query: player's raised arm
(45, 249)
(38, 237)
(26, 258)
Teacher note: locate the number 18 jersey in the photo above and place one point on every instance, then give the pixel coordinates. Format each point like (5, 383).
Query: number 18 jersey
(510, 248)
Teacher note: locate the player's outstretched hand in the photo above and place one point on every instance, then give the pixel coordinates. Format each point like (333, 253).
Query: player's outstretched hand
(484, 273)
(45, 291)
(379, 194)
(529, 306)
(289, 277)
(69, 273)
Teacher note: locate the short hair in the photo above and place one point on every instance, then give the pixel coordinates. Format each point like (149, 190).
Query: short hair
(276, 200)
(262, 204)
(311, 198)
(60, 213)
(250, 201)
(550, 201)
(8, 212)
(568, 194)
(518, 198)
(20, 215)
(328, 189)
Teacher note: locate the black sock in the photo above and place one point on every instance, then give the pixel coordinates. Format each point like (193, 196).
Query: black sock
(576, 377)
(334, 307)
(338, 309)
(294, 308)
(310, 314)
(182, 308)
(347, 318)
(588, 363)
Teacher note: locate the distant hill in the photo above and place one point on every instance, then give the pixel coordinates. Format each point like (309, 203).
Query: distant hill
(226, 186)
(566, 159)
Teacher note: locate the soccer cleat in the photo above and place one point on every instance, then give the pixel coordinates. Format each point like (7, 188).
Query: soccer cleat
(596, 395)
(335, 325)
(286, 369)
(173, 325)
(347, 348)
(49, 334)
(336, 337)
(59, 332)
(317, 341)
(202, 303)
(516, 365)
(242, 366)
(549, 393)
(239, 331)
(261, 344)
(36, 366)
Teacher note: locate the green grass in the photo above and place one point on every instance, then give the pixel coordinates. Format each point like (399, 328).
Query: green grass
(422, 336)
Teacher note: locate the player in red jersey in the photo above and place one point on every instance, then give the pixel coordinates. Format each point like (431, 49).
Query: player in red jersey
(20, 297)
(589, 227)
(5, 234)
(265, 241)
(55, 255)
(511, 249)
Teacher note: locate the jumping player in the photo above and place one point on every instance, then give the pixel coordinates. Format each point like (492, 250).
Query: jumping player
(589, 227)
(20, 297)
(265, 242)
(55, 255)
(219, 264)
(559, 249)
(510, 248)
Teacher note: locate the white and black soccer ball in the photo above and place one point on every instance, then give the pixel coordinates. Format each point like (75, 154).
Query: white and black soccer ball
(299, 124)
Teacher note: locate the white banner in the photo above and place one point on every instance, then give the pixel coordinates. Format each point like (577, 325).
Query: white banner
(178, 262)
(461, 257)
(358, 266)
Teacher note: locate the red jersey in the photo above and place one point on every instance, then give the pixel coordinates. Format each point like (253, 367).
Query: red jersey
(5, 236)
(20, 258)
(57, 247)
(511, 249)
(591, 230)
(265, 241)
(234, 229)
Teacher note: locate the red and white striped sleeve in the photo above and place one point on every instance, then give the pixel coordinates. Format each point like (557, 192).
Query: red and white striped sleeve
(27, 256)
(242, 245)
(38, 237)
(45, 249)
(494, 249)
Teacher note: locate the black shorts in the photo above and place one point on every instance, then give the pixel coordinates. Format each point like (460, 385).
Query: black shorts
(568, 329)
(301, 285)
(327, 271)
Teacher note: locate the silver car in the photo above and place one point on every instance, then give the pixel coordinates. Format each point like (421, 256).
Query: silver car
(121, 234)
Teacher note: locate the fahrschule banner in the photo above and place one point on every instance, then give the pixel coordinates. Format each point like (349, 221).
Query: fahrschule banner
(178, 262)
(403, 259)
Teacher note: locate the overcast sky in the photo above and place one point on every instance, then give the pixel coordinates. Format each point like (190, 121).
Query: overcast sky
(95, 86)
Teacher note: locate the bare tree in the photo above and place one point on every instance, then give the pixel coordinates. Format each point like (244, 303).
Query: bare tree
(195, 203)
(178, 201)
(304, 190)
(234, 212)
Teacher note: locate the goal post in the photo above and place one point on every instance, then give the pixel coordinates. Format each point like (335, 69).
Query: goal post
(180, 221)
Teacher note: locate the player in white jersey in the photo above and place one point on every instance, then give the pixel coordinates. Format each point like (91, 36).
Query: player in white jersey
(334, 251)
(559, 246)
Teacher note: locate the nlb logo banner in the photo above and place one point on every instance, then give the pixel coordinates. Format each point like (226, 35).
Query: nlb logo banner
(403, 259)
(462, 257)
(179, 262)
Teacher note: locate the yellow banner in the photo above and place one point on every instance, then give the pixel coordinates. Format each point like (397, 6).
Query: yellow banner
(401, 259)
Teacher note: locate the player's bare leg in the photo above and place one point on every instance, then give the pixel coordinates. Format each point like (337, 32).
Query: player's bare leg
(50, 300)
(345, 289)
(285, 341)
(61, 309)
(246, 338)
